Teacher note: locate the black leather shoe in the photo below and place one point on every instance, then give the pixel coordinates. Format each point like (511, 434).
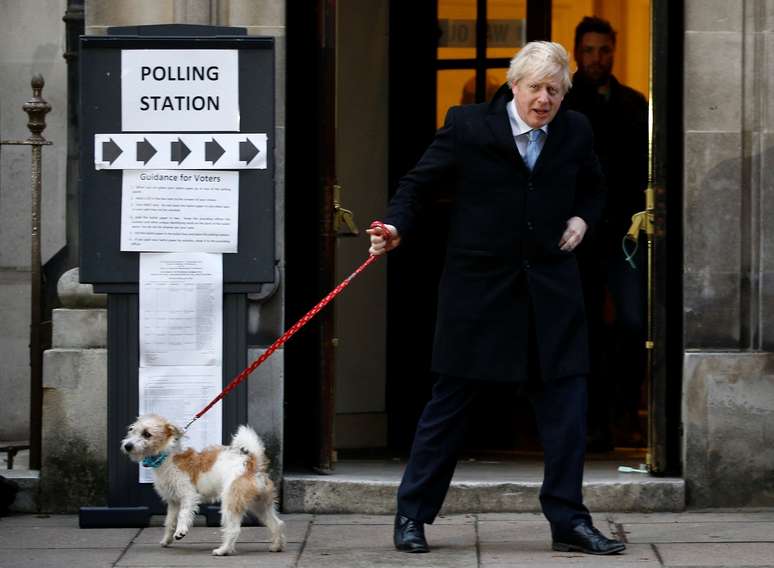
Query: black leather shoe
(583, 537)
(409, 535)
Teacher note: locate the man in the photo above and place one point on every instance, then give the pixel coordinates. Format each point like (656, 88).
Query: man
(619, 119)
(526, 184)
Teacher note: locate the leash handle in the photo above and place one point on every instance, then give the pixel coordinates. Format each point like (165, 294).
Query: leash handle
(293, 329)
(386, 233)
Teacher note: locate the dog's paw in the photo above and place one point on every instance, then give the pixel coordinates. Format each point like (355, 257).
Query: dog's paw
(166, 541)
(180, 533)
(277, 545)
(223, 551)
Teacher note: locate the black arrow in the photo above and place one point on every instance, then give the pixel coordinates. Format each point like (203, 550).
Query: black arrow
(247, 151)
(145, 151)
(111, 151)
(178, 151)
(213, 151)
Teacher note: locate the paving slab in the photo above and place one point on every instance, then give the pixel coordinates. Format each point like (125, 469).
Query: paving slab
(728, 538)
(64, 537)
(453, 545)
(295, 531)
(199, 555)
(387, 520)
(59, 557)
(39, 521)
(514, 531)
(517, 517)
(525, 531)
(701, 532)
(726, 555)
(538, 554)
(737, 515)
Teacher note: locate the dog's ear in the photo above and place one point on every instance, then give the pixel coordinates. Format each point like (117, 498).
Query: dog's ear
(172, 431)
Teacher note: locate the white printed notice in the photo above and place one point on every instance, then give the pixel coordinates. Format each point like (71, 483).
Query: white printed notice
(181, 309)
(179, 211)
(177, 393)
(178, 90)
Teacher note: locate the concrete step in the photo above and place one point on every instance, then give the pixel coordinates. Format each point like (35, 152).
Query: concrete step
(370, 486)
(28, 481)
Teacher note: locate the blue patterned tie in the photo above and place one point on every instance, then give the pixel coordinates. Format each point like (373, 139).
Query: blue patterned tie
(533, 148)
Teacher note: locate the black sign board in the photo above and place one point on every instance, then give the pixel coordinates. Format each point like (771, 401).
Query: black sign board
(244, 145)
(102, 262)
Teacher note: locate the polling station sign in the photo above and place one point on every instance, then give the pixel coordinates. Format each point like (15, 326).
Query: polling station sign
(179, 90)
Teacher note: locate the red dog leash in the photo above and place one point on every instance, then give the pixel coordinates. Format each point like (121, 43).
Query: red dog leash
(293, 329)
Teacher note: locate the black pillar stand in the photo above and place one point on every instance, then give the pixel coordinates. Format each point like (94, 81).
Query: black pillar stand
(130, 503)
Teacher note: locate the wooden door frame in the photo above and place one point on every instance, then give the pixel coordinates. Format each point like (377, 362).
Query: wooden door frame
(412, 126)
(666, 99)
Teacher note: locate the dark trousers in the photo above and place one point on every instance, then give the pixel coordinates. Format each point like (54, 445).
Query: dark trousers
(560, 410)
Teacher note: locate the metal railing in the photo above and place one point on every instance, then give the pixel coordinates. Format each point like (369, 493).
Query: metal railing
(36, 108)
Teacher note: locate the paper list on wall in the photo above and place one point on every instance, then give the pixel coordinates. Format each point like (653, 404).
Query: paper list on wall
(181, 309)
(177, 394)
(181, 330)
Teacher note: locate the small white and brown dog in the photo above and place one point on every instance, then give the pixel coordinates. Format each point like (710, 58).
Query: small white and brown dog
(235, 475)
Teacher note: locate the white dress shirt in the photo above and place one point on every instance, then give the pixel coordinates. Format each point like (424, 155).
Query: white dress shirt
(521, 130)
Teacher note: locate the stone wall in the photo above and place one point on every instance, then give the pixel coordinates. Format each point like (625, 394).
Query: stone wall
(32, 40)
(728, 252)
(74, 430)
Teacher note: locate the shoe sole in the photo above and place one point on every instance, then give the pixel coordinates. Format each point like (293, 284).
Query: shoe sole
(561, 547)
(418, 549)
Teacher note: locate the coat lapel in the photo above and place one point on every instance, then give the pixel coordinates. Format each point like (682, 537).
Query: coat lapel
(501, 130)
(556, 132)
(500, 126)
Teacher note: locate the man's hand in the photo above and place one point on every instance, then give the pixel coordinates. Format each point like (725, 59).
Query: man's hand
(380, 244)
(573, 234)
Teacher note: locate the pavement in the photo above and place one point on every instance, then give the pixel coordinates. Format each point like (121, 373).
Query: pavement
(727, 538)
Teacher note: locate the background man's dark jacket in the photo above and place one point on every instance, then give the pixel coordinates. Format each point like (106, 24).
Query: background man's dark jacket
(503, 258)
(620, 125)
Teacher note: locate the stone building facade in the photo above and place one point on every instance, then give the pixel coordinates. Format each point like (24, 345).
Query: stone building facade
(725, 373)
(728, 195)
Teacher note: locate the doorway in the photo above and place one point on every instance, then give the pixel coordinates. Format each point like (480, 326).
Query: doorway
(457, 52)
(395, 80)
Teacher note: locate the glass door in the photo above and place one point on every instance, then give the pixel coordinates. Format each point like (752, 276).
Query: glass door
(476, 40)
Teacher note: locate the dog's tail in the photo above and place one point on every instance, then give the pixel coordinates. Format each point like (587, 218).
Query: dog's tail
(248, 442)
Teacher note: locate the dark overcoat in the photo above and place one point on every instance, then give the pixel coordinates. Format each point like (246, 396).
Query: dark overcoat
(503, 263)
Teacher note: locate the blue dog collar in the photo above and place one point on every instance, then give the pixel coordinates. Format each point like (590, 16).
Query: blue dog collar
(154, 461)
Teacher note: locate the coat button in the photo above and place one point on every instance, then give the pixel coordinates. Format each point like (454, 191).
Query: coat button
(530, 226)
(530, 187)
(526, 265)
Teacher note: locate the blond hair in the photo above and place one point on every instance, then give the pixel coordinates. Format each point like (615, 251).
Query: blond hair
(540, 59)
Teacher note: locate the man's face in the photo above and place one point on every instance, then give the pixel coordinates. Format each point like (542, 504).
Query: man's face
(538, 100)
(594, 56)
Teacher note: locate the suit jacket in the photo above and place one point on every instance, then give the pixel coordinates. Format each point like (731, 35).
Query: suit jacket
(503, 264)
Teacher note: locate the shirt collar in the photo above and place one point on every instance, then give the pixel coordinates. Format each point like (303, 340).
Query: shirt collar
(518, 126)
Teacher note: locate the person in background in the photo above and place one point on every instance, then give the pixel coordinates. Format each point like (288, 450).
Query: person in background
(526, 185)
(615, 292)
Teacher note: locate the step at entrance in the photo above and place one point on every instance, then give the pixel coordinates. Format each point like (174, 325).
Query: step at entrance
(369, 487)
